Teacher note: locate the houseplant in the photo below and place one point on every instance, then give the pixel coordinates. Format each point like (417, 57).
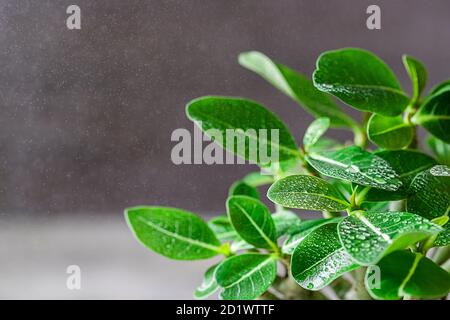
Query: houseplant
(383, 230)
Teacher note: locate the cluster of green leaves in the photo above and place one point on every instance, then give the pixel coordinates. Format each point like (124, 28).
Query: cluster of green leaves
(355, 188)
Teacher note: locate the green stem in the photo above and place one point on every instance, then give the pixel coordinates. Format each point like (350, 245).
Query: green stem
(360, 136)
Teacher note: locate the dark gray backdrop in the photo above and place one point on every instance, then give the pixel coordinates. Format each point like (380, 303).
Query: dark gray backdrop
(87, 115)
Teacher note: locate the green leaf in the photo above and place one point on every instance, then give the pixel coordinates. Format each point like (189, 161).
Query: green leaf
(222, 228)
(209, 284)
(368, 236)
(355, 165)
(443, 239)
(430, 193)
(389, 132)
(174, 233)
(319, 258)
(306, 192)
(440, 149)
(305, 228)
(406, 273)
(239, 245)
(240, 188)
(360, 79)
(441, 86)
(434, 115)
(418, 74)
(246, 276)
(296, 86)
(325, 144)
(315, 130)
(375, 206)
(285, 222)
(256, 179)
(407, 164)
(249, 122)
(252, 221)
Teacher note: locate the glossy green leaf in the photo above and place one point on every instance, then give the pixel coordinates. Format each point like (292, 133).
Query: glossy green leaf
(406, 273)
(441, 86)
(286, 222)
(430, 193)
(209, 284)
(389, 132)
(407, 164)
(240, 245)
(173, 233)
(443, 239)
(418, 74)
(440, 149)
(315, 130)
(360, 79)
(246, 276)
(355, 165)
(249, 122)
(252, 221)
(319, 258)
(306, 192)
(296, 86)
(222, 228)
(368, 236)
(434, 115)
(305, 228)
(257, 179)
(240, 188)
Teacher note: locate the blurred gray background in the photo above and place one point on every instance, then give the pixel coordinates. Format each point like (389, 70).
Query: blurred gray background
(87, 117)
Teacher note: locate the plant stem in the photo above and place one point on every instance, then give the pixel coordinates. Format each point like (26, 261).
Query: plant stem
(446, 265)
(442, 255)
(358, 291)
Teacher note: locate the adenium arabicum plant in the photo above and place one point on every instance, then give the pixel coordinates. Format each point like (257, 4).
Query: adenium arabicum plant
(384, 233)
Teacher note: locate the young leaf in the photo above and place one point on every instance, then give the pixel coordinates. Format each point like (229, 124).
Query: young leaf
(406, 273)
(418, 74)
(320, 258)
(325, 144)
(256, 179)
(286, 222)
(440, 149)
(360, 79)
(296, 86)
(368, 236)
(315, 130)
(222, 228)
(209, 284)
(174, 233)
(246, 276)
(305, 228)
(355, 165)
(249, 122)
(434, 115)
(389, 132)
(430, 193)
(252, 221)
(306, 192)
(407, 164)
(240, 188)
